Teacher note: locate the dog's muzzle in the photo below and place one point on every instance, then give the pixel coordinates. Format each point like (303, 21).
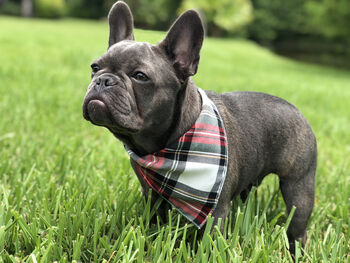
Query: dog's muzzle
(95, 108)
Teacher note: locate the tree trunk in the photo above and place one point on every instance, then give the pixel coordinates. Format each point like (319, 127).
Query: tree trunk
(27, 8)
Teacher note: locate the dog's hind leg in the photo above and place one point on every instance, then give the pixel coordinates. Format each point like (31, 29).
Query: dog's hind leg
(298, 189)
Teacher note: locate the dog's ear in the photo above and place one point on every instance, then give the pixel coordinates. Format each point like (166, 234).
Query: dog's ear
(183, 43)
(120, 23)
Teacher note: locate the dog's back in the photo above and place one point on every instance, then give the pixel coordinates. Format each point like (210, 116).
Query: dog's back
(266, 134)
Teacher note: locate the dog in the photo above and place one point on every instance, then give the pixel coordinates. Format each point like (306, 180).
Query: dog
(145, 96)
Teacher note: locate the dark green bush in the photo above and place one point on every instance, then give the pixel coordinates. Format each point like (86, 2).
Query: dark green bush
(10, 8)
(274, 19)
(50, 8)
(316, 30)
(330, 18)
(224, 17)
(155, 14)
(94, 9)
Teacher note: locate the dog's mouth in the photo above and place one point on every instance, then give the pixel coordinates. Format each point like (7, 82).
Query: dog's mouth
(97, 112)
(114, 117)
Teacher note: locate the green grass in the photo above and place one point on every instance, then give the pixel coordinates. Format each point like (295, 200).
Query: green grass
(67, 191)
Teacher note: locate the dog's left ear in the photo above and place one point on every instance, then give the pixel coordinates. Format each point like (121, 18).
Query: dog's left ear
(121, 23)
(183, 43)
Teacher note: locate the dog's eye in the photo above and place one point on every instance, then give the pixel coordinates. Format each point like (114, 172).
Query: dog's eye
(140, 76)
(94, 68)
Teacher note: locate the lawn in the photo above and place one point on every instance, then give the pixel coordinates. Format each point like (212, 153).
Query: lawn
(67, 191)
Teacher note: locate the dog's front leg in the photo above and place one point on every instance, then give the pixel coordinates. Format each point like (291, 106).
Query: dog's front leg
(163, 207)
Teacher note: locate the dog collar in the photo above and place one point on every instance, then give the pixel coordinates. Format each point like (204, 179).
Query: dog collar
(190, 173)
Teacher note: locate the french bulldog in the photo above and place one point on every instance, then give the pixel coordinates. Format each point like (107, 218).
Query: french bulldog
(145, 96)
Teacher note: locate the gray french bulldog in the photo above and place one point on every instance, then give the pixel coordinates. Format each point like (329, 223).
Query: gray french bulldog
(145, 96)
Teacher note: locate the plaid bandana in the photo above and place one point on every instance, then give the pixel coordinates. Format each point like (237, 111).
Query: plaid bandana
(190, 173)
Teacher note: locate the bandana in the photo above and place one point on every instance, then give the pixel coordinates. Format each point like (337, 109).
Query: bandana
(190, 172)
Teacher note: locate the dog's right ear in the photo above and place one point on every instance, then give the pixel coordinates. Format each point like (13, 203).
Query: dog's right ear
(121, 23)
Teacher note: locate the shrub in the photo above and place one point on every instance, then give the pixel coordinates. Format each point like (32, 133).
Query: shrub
(10, 8)
(50, 8)
(155, 14)
(223, 15)
(87, 9)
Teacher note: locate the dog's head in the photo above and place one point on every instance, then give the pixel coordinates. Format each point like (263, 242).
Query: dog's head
(135, 85)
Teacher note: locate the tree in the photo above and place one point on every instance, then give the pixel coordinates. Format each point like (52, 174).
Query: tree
(27, 8)
(230, 16)
(330, 18)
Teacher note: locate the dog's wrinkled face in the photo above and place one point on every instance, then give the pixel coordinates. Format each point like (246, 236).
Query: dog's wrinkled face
(135, 86)
(129, 91)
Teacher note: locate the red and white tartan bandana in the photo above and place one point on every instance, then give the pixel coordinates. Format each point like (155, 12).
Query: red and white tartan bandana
(190, 173)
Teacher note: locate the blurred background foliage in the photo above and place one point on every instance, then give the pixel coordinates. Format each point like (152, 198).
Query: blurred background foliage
(313, 30)
(223, 17)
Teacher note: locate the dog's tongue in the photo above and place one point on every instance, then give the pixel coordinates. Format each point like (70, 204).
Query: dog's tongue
(98, 112)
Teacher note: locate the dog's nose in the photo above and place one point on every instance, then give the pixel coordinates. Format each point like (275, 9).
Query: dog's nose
(106, 80)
